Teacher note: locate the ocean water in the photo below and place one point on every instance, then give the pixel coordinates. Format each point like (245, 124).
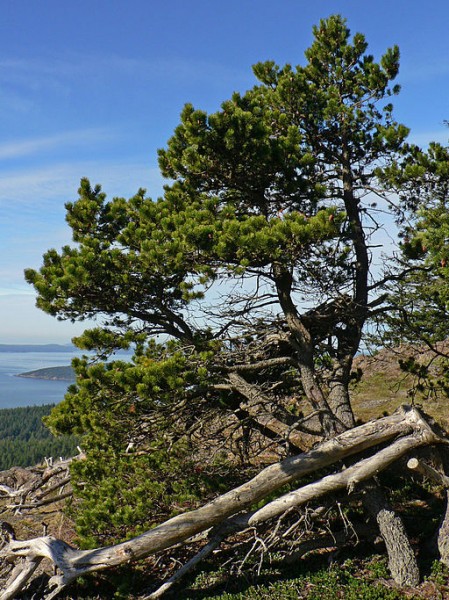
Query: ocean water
(18, 391)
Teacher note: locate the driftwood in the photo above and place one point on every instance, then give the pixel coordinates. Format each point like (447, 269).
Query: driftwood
(403, 431)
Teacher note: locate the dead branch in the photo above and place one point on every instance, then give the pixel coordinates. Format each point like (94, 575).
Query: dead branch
(428, 471)
(36, 483)
(260, 408)
(348, 478)
(215, 540)
(189, 566)
(38, 503)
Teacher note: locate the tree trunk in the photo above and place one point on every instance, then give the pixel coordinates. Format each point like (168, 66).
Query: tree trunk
(443, 535)
(401, 558)
(339, 401)
(303, 343)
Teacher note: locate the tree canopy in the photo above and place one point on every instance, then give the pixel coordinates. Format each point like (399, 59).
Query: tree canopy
(245, 290)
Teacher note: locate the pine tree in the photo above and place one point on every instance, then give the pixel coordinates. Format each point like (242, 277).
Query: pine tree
(246, 288)
(417, 286)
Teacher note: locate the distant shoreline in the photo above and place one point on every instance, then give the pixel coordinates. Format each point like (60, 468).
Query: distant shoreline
(65, 373)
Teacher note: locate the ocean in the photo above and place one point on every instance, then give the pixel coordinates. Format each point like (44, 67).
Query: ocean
(19, 391)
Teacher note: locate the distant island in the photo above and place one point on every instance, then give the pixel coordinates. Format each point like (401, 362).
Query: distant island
(51, 373)
(37, 348)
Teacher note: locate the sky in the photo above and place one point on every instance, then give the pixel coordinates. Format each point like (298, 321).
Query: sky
(93, 88)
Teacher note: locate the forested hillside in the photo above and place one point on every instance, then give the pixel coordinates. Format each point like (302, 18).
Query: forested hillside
(54, 373)
(25, 441)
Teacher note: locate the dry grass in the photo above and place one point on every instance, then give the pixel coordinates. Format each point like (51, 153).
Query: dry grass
(384, 386)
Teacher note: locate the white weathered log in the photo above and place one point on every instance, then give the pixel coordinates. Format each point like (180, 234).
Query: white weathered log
(19, 577)
(348, 478)
(9, 491)
(73, 563)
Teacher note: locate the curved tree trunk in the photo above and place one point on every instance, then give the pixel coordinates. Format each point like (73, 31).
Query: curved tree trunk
(339, 401)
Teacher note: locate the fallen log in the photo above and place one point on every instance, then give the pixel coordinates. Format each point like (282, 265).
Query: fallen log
(231, 509)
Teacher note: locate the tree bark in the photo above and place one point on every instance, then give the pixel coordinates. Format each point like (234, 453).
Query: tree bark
(339, 400)
(401, 558)
(302, 341)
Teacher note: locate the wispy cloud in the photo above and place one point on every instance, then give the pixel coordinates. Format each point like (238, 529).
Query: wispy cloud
(39, 186)
(20, 148)
(60, 73)
(32, 214)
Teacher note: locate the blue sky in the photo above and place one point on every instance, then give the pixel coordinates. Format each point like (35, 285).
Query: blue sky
(93, 88)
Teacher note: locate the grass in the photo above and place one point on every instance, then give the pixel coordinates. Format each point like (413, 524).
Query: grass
(311, 580)
(314, 579)
(351, 580)
(384, 386)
